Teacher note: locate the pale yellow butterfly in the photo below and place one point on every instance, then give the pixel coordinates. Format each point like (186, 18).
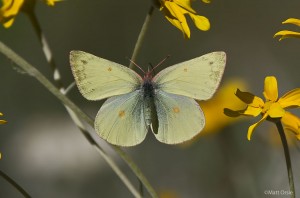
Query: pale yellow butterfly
(163, 103)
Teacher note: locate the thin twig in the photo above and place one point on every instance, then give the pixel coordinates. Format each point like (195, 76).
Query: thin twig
(136, 171)
(46, 49)
(12, 182)
(287, 158)
(141, 37)
(28, 68)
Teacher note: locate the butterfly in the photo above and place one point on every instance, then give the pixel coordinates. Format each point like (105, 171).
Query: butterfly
(163, 104)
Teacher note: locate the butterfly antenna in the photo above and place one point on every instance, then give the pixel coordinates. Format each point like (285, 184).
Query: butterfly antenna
(160, 63)
(136, 65)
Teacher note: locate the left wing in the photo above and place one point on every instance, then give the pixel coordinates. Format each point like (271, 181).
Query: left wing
(98, 78)
(120, 120)
(179, 118)
(197, 78)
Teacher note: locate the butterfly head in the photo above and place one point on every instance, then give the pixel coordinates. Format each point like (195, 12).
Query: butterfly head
(149, 74)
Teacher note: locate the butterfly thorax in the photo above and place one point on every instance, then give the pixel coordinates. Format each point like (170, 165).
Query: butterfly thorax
(148, 88)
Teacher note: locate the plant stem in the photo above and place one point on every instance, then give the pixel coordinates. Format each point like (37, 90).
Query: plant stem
(12, 182)
(141, 37)
(46, 49)
(287, 158)
(32, 71)
(136, 171)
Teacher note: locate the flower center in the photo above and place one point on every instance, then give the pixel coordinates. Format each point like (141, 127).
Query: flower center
(274, 109)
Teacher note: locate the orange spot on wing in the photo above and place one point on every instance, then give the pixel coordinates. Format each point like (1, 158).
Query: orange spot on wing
(109, 69)
(121, 113)
(176, 109)
(185, 69)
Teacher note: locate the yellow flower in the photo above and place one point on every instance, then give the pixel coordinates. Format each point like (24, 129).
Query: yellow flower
(272, 109)
(2, 121)
(175, 11)
(11, 8)
(286, 33)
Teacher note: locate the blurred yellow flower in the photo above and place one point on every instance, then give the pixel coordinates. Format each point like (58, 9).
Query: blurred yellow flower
(168, 194)
(11, 8)
(175, 11)
(273, 109)
(2, 121)
(215, 119)
(286, 33)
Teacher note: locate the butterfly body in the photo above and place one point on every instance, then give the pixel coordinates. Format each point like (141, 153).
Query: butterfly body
(148, 92)
(164, 102)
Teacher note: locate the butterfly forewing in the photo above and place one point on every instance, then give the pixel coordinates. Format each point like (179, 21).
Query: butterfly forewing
(197, 78)
(121, 121)
(98, 78)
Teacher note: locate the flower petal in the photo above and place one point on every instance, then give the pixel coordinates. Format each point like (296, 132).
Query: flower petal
(177, 18)
(182, 27)
(201, 22)
(185, 4)
(52, 2)
(253, 126)
(8, 11)
(9, 23)
(175, 10)
(290, 99)
(3, 121)
(287, 34)
(249, 98)
(251, 111)
(292, 21)
(11, 7)
(292, 123)
(271, 90)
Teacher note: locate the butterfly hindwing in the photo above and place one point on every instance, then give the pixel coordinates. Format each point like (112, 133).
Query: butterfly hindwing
(197, 78)
(98, 78)
(120, 120)
(179, 118)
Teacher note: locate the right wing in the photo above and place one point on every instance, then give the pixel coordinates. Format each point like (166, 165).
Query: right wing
(179, 118)
(98, 78)
(120, 120)
(197, 78)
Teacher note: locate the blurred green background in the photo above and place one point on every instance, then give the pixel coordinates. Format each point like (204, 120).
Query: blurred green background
(47, 155)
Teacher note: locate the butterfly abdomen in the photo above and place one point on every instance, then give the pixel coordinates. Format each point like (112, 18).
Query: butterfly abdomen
(148, 97)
